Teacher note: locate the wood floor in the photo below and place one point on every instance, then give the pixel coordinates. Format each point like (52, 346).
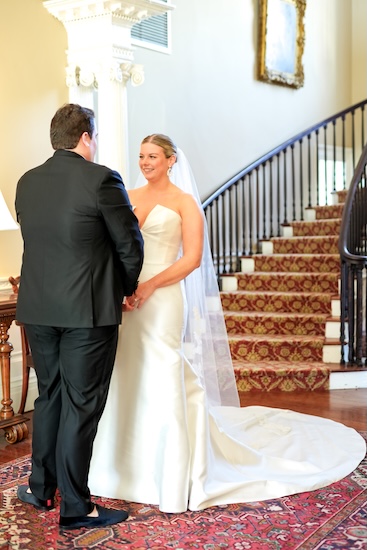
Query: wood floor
(346, 406)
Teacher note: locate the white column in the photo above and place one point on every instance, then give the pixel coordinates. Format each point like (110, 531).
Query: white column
(112, 130)
(100, 64)
(80, 90)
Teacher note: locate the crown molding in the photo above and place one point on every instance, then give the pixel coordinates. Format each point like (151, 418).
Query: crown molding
(129, 11)
(99, 35)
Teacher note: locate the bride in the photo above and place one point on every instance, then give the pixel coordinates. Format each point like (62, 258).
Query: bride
(173, 433)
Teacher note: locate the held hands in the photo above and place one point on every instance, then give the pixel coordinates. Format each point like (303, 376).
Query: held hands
(140, 296)
(129, 303)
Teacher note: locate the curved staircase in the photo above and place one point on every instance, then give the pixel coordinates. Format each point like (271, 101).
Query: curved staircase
(282, 310)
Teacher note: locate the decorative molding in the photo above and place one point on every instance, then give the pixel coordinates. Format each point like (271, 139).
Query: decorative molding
(117, 72)
(108, 24)
(134, 72)
(131, 11)
(85, 77)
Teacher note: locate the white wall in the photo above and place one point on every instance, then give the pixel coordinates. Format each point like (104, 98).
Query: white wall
(207, 97)
(32, 65)
(359, 50)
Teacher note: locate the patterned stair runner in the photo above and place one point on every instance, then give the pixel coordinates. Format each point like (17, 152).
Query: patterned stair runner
(278, 312)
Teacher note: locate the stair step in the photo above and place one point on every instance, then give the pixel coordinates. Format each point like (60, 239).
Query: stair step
(283, 376)
(331, 352)
(291, 302)
(289, 282)
(266, 376)
(276, 348)
(317, 227)
(305, 245)
(341, 195)
(275, 323)
(300, 263)
(328, 211)
(282, 311)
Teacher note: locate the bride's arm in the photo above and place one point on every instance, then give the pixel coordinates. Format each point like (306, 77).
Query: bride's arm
(192, 249)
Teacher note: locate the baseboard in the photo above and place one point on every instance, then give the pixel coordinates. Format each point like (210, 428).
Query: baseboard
(348, 380)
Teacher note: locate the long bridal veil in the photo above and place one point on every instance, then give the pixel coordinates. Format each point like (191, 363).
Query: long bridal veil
(205, 342)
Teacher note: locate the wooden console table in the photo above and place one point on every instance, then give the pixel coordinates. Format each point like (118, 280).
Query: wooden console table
(14, 425)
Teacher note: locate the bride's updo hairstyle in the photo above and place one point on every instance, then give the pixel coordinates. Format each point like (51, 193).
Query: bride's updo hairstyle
(163, 141)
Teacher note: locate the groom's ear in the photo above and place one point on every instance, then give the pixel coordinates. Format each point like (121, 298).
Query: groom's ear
(83, 147)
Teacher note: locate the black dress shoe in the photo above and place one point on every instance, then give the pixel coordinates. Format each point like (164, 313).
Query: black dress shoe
(106, 516)
(29, 498)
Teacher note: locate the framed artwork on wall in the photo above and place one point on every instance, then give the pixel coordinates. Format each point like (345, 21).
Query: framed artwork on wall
(281, 42)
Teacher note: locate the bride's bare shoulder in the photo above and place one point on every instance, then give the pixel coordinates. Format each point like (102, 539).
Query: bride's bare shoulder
(187, 198)
(188, 204)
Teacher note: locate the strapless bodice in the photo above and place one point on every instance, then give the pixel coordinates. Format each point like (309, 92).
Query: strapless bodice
(162, 236)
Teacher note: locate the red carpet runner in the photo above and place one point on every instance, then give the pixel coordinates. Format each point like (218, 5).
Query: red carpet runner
(277, 318)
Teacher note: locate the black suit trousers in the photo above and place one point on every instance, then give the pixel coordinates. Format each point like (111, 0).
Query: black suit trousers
(73, 368)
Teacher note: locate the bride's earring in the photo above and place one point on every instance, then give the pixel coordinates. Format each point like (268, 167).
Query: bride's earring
(169, 171)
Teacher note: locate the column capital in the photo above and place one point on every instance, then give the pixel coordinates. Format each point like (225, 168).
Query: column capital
(131, 11)
(100, 62)
(89, 76)
(99, 32)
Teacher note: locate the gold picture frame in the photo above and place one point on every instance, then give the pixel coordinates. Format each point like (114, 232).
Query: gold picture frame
(281, 42)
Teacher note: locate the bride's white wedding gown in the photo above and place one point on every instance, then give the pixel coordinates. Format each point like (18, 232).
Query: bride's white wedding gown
(157, 442)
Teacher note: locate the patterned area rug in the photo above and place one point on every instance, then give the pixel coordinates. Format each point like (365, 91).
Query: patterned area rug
(333, 518)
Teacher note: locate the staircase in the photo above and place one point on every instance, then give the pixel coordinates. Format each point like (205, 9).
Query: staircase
(282, 310)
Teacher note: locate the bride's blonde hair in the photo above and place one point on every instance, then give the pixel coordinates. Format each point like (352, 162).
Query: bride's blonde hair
(168, 146)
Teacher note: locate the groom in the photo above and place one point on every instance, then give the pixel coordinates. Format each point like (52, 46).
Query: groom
(83, 253)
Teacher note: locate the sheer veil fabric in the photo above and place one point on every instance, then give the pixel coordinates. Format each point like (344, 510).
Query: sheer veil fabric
(205, 342)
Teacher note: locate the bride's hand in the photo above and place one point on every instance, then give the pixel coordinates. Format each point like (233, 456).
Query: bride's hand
(142, 293)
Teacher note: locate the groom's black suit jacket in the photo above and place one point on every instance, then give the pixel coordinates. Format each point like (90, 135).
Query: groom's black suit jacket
(83, 249)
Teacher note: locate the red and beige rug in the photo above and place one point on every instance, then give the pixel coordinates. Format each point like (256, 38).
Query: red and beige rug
(333, 518)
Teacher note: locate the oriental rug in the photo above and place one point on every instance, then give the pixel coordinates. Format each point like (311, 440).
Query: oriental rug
(332, 518)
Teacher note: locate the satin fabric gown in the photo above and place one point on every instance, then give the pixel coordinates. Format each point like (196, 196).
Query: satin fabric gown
(157, 441)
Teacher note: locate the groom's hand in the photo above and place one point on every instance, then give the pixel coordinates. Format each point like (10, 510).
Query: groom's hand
(129, 303)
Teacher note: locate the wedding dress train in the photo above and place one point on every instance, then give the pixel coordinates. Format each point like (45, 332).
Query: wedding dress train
(160, 443)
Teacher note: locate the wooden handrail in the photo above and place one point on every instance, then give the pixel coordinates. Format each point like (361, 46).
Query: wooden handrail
(345, 253)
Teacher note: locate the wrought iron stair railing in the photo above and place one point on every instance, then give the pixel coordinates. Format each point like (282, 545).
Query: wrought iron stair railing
(353, 255)
(276, 189)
